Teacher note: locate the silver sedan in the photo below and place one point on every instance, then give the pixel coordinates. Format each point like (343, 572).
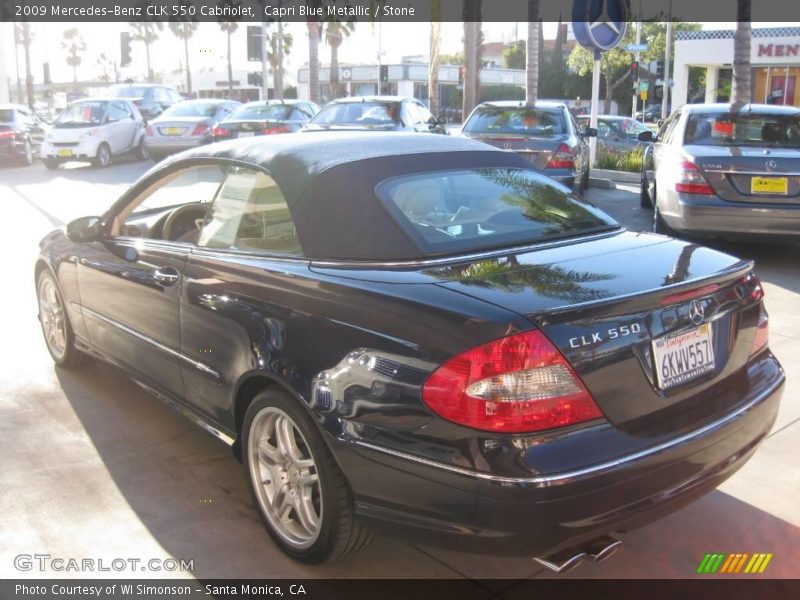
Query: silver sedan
(714, 173)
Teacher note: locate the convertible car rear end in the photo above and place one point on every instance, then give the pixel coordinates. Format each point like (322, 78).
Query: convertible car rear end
(423, 337)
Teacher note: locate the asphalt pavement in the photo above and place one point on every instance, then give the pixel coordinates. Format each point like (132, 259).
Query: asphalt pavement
(94, 467)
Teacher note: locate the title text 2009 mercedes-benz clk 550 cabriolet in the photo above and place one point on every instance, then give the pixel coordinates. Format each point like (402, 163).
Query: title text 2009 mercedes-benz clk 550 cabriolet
(421, 336)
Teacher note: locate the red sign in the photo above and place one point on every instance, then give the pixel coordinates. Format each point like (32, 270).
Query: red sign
(779, 50)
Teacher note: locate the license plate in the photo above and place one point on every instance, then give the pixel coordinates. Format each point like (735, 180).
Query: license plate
(768, 185)
(64, 152)
(246, 134)
(684, 356)
(173, 131)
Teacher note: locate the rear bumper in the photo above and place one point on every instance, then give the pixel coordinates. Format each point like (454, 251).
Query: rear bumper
(535, 515)
(709, 214)
(80, 150)
(171, 145)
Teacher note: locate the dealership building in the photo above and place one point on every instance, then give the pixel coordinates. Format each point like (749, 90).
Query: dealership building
(774, 57)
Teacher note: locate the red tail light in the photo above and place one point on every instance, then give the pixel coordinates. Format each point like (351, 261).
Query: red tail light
(691, 181)
(561, 159)
(201, 129)
(220, 132)
(516, 384)
(278, 129)
(148, 130)
(8, 134)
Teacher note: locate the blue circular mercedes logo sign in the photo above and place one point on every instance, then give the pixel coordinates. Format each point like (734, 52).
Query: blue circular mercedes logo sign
(599, 25)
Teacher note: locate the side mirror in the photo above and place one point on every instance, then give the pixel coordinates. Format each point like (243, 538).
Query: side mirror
(646, 136)
(589, 132)
(85, 229)
(660, 123)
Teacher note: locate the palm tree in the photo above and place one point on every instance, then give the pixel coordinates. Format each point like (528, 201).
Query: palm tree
(741, 56)
(184, 30)
(279, 45)
(147, 33)
(472, 52)
(74, 44)
(435, 47)
(335, 32)
(532, 48)
(23, 36)
(314, 35)
(229, 27)
(104, 64)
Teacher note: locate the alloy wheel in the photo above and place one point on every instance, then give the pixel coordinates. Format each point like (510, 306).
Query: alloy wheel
(51, 315)
(285, 477)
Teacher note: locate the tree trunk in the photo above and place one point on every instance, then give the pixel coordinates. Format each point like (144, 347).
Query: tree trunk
(230, 69)
(188, 70)
(279, 67)
(313, 61)
(26, 38)
(433, 72)
(334, 70)
(532, 51)
(149, 68)
(740, 95)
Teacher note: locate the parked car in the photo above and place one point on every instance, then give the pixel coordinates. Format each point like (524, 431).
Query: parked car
(714, 173)
(616, 136)
(267, 118)
(150, 98)
(546, 135)
(377, 113)
(651, 114)
(96, 129)
(21, 133)
(186, 125)
(420, 335)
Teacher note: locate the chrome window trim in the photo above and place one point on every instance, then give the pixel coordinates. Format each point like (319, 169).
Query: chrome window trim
(568, 476)
(205, 369)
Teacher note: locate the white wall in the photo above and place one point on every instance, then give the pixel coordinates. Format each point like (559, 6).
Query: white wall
(4, 95)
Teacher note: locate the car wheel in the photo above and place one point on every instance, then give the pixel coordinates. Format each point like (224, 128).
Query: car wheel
(56, 327)
(142, 151)
(644, 196)
(659, 224)
(50, 163)
(584, 182)
(103, 158)
(302, 495)
(156, 157)
(27, 157)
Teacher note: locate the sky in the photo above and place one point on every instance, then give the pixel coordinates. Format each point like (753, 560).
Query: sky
(208, 47)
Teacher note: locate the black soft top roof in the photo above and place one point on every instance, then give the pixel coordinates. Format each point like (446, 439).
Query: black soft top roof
(329, 180)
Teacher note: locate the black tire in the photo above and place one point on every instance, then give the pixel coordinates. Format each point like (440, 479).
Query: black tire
(70, 356)
(51, 163)
(155, 157)
(339, 533)
(644, 195)
(27, 158)
(103, 158)
(584, 184)
(659, 224)
(142, 151)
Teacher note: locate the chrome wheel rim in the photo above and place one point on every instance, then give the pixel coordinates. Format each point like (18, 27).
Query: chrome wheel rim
(51, 314)
(285, 478)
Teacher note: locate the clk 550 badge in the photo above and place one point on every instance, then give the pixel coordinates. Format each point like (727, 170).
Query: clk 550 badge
(597, 337)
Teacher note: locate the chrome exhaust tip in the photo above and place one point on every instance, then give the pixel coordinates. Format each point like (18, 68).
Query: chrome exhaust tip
(598, 550)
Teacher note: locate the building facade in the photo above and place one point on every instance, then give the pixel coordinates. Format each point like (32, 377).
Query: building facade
(774, 57)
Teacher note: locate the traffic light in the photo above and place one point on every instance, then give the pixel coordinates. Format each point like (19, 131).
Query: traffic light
(635, 70)
(254, 46)
(384, 73)
(124, 49)
(659, 68)
(254, 79)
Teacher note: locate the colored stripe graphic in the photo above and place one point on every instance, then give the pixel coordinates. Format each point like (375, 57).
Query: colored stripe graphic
(733, 563)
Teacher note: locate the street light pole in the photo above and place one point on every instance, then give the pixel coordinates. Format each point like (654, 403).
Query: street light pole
(594, 109)
(667, 69)
(264, 67)
(638, 54)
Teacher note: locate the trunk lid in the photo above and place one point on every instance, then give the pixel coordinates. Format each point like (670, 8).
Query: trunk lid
(750, 174)
(604, 303)
(177, 126)
(536, 151)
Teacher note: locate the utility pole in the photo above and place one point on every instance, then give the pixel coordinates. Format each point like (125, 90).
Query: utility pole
(279, 67)
(636, 75)
(264, 66)
(380, 57)
(667, 69)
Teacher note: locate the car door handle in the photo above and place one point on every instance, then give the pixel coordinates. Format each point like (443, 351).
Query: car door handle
(167, 276)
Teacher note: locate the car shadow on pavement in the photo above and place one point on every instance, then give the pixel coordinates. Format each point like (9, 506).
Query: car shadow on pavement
(189, 491)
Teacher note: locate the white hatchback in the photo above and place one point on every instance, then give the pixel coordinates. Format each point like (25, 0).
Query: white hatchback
(95, 130)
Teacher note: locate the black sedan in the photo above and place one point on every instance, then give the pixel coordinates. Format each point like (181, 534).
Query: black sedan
(21, 133)
(422, 336)
(376, 113)
(266, 117)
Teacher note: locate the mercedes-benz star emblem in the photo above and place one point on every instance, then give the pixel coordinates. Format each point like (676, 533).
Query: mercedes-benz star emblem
(696, 312)
(771, 165)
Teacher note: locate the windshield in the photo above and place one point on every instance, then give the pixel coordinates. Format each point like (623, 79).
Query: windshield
(744, 129)
(127, 91)
(81, 114)
(480, 208)
(262, 112)
(631, 129)
(191, 109)
(6, 115)
(538, 122)
(360, 114)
